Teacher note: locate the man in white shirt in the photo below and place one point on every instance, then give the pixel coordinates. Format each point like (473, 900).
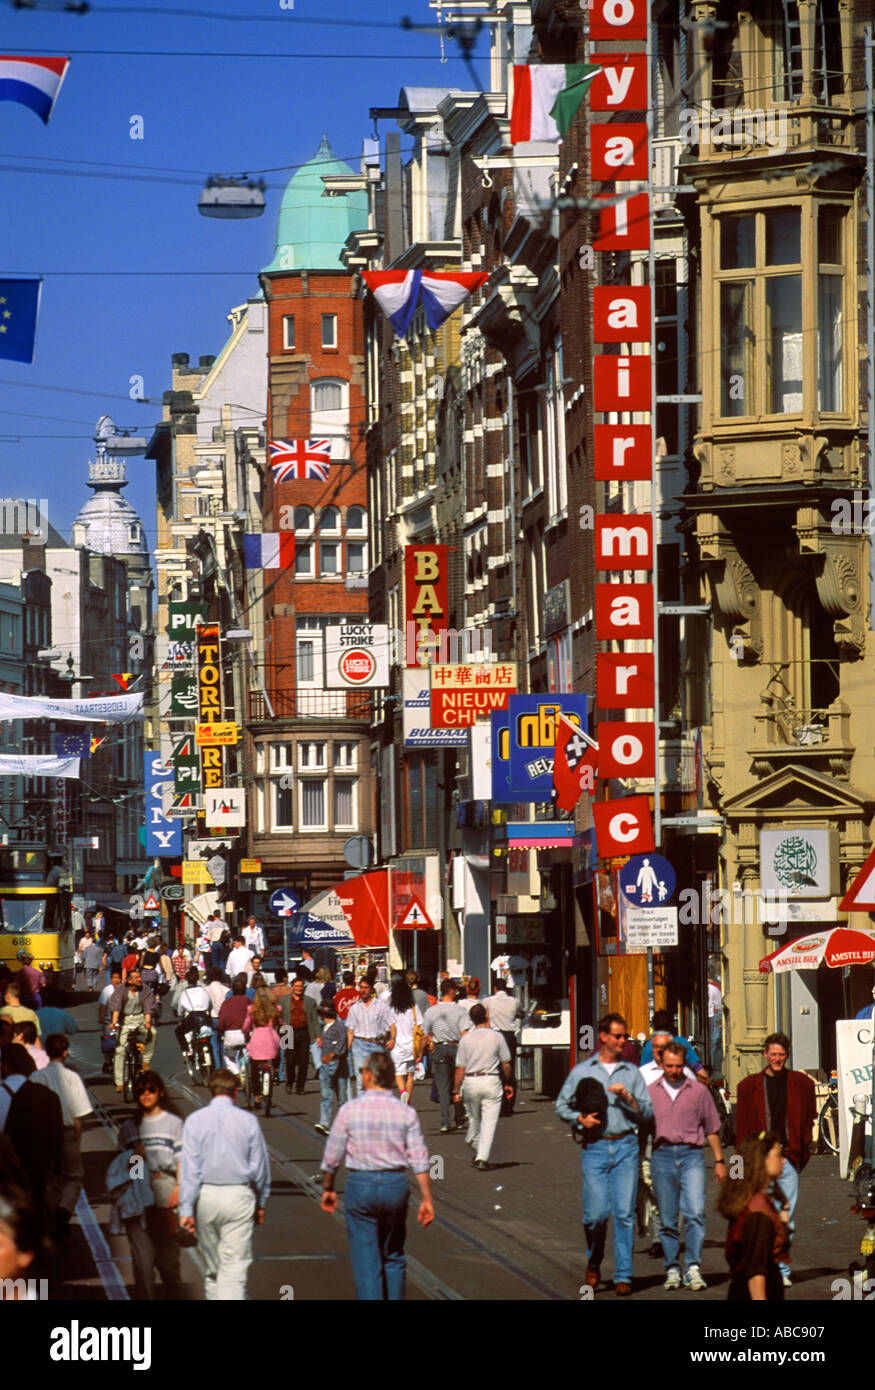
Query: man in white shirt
(75, 1106)
(369, 1025)
(239, 960)
(504, 1013)
(106, 994)
(253, 937)
(195, 1007)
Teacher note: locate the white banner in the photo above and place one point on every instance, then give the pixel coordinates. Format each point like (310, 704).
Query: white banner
(38, 765)
(111, 709)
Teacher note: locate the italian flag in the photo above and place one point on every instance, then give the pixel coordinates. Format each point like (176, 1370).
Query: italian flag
(546, 97)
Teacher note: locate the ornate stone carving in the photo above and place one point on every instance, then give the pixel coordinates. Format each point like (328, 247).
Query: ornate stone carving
(838, 574)
(726, 464)
(790, 459)
(735, 590)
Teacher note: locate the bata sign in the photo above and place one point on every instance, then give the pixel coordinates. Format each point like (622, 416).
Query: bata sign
(622, 382)
(426, 594)
(464, 695)
(356, 656)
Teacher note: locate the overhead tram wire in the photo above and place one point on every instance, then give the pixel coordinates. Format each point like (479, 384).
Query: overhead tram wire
(285, 57)
(110, 11)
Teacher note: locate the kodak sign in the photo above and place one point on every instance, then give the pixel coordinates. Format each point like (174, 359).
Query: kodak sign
(426, 599)
(625, 546)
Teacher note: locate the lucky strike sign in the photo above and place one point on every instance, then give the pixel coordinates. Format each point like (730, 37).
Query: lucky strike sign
(625, 547)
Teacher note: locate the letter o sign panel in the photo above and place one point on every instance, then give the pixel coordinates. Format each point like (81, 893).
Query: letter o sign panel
(626, 750)
(623, 827)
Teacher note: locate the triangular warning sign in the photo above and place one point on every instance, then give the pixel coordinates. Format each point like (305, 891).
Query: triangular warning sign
(860, 897)
(414, 917)
(151, 904)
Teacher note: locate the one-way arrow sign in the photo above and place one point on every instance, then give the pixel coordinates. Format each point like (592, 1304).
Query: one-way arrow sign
(283, 903)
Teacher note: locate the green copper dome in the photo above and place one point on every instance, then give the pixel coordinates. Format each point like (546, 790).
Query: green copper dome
(312, 229)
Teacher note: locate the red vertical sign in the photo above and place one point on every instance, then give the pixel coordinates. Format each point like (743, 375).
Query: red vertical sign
(624, 545)
(426, 601)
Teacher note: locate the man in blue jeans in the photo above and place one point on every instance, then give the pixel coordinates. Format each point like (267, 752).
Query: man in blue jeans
(684, 1117)
(380, 1138)
(609, 1156)
(333, 1067)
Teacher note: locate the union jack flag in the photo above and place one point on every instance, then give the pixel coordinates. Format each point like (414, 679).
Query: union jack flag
(300, 459)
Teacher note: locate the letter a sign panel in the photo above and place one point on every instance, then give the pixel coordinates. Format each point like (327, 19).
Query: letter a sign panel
(860, 897)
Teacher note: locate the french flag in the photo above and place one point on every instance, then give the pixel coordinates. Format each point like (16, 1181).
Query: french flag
(33, 82)
(399, 294)
(272, 550)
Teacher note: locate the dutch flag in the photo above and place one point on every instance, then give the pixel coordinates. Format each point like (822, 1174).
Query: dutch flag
(272, 550)
(33, 82)
(399, 294)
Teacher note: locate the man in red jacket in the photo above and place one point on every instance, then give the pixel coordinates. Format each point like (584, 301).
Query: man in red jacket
(783, 1101)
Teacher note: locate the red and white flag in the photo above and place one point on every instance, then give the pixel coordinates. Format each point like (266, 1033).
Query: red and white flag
(575, 764)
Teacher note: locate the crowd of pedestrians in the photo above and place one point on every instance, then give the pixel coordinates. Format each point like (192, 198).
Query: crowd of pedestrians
(644, 1125)
(653, 1123)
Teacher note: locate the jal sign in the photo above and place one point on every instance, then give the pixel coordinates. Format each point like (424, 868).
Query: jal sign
(356, 656)
(464, 695)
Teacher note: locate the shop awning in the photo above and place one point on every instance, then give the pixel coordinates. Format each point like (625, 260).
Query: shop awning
(354, 912)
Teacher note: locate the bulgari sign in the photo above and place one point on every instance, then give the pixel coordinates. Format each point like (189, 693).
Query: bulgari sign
(625, 546)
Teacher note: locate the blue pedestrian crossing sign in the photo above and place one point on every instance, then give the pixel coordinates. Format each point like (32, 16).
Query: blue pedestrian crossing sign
(648, 880)
(283, 903)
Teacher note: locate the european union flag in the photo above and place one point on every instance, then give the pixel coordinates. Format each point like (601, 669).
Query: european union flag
(19, 308)
(72, 745)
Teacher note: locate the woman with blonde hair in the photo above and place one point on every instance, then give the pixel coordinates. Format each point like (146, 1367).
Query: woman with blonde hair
(317, 985)
(261, 1028)
(757, 1239)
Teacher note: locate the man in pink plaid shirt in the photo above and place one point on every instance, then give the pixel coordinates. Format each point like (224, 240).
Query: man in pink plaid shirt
(380, 1139)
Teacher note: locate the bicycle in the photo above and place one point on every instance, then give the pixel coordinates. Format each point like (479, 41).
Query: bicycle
(828, 1119)
(258, 1083)
(132, 1064)
(198, 1055)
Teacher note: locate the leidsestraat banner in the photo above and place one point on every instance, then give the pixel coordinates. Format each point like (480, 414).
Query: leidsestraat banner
(38, 765)
(113, 709)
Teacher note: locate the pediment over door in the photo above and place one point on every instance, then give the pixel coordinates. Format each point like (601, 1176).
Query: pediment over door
(796, 793)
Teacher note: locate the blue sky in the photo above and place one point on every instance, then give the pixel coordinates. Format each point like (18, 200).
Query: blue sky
(201, 115)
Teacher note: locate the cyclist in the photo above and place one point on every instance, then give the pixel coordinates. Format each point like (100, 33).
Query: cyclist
(132, 1008)
(194, 1008)
(261, 1030)
(232, 1016)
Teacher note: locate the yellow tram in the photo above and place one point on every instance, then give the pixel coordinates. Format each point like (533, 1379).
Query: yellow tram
(35, 914)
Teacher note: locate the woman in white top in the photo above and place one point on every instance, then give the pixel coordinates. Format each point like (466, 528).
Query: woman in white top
(405, 1015)
(155, 1134)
